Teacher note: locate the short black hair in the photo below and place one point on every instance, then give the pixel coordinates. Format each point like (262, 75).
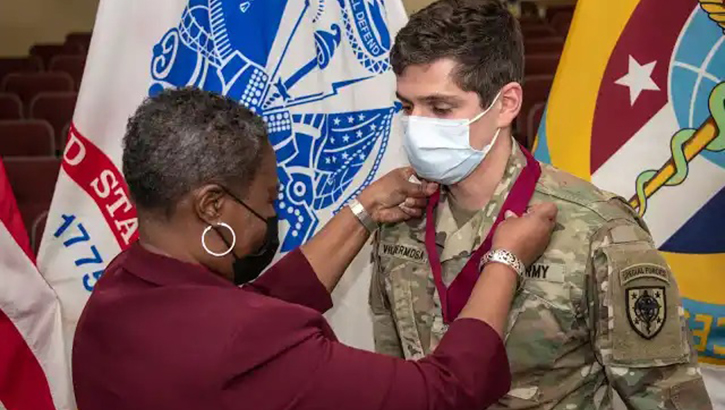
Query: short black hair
(482, 36)
(184, 138)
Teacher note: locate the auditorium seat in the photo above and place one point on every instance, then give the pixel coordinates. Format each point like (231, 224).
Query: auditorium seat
(73, 65)
(531, 20)
(544, 45)
(538, 64)
(553, 9)
(46, 52)
(28, 85)
(63, 138)
(82, 40)
(536, 90)
(33, 183)
(10, 65)
(533, 120)
(36, 231)
(529, 11)
(26, 138)
(11, 108)
(57, 109)
(561, 23)
(531, 31)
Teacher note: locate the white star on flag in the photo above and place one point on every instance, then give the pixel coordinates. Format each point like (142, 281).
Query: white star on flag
(638, 79)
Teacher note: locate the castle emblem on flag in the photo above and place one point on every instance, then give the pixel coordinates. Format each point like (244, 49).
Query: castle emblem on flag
(295, 63)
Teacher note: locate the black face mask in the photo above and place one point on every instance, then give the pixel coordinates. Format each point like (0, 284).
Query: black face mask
(250, 267)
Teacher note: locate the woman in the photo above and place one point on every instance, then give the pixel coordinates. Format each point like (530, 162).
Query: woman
(166, 327)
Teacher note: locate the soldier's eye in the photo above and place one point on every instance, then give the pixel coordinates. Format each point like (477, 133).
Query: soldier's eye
(442, 111)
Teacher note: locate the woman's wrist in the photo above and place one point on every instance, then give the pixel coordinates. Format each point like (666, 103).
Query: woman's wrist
(499, 275)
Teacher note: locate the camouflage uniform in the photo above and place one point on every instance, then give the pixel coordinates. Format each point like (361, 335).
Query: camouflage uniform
(573, 339)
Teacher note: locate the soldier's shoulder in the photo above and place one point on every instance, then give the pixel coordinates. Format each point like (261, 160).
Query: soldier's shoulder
(583, 196)
(565, 186)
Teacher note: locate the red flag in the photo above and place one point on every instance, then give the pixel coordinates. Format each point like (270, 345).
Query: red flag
(34, 374)
(10, 216)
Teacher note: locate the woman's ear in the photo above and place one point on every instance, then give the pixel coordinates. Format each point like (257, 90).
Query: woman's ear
(511, 100)
(207, 203)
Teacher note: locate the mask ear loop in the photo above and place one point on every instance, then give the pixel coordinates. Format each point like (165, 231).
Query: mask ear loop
(476, 118)
(260, 251)
(484, 112)
(231, 246)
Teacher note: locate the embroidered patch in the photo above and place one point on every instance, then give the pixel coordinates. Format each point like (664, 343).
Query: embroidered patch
(404, 252)
(550, 273)
(644, 270)
(646, 310)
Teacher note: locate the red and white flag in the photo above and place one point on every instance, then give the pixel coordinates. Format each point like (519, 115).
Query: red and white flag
(34, 373)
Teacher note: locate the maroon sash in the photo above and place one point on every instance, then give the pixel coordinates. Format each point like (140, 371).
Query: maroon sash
(454, 298)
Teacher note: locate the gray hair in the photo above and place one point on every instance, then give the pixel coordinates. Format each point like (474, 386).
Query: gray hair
(182, 139)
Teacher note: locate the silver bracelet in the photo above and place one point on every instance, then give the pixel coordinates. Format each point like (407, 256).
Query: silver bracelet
(507, 258)
(362, 215)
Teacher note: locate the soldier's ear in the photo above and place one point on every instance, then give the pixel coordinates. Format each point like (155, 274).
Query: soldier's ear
(510, 101)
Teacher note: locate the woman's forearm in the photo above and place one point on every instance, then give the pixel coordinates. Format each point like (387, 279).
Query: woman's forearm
(332, 249)
(491, 298)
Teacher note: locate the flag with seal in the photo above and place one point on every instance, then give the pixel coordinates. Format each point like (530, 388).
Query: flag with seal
(638, 108)
(318, 73)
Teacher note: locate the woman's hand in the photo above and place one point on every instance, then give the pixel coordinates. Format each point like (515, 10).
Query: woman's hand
(393, 198)
(527, 236)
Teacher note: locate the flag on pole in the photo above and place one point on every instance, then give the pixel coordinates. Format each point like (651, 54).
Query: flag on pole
(638, 108)
(34, 374)
(317, 71)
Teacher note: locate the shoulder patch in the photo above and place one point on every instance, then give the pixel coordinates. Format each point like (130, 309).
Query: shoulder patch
(644, 308)
(644, 270)
(647, 310)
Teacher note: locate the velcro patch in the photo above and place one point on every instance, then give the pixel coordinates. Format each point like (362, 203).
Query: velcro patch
(643, 305)
(547, 272)
(644, 270)
(406, 252)
(624, 233)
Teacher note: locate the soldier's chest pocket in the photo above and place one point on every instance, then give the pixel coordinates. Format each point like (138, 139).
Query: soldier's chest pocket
(542, 326)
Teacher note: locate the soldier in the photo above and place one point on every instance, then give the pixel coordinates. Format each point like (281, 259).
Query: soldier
(599, 314)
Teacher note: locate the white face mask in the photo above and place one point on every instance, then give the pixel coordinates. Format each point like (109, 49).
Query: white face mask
(440, 149)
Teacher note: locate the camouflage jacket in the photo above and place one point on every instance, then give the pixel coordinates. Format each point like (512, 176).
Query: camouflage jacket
(599, 314)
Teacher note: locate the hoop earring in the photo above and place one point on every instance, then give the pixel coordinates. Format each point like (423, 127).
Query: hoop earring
(206, 248)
